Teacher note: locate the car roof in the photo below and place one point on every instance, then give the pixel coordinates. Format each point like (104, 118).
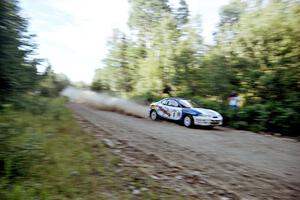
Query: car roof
(175, 98)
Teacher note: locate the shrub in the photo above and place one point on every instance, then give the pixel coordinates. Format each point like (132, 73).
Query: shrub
(274, 117)
(22, 128)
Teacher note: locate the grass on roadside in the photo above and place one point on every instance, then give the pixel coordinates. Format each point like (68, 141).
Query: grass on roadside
(48, 156)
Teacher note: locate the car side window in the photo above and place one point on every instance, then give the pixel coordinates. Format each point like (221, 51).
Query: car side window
(173, 103)
(164, 102)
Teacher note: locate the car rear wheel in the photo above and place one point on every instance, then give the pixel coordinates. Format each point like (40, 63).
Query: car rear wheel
(188, 121)
(153, 115)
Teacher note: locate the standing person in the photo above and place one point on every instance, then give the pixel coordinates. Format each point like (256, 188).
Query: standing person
(234, 100)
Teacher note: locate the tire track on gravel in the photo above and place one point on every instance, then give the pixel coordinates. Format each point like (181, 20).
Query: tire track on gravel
(198, 174)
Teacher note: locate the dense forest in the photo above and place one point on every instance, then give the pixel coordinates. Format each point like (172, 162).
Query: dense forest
(28, 108)
(255, 53)
(18, 62)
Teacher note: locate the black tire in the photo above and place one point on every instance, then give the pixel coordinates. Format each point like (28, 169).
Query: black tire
(153, 115)
(188, 121)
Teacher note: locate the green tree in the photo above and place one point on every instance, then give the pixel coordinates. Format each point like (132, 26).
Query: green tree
(262, 63)
(17, 67)
(188, 57)
(232, 12)
(256, 54)
(118, 72)
(51, 84)
(182, 13)
(229, 15)
(146, 14)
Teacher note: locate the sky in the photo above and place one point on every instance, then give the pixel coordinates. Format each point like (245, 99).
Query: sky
(72, 34)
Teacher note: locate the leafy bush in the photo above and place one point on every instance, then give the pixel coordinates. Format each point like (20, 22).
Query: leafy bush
(24, 127)
(269, 117)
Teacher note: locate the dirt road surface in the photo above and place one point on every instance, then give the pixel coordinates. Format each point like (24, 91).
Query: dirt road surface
(203, 164)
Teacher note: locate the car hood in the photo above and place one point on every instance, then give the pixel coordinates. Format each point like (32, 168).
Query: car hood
(207, 111)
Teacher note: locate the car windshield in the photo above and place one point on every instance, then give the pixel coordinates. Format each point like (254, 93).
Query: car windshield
(189, 104)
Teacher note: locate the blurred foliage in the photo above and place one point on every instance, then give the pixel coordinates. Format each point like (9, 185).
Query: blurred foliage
(232, 12)
(17, 67)
(24, 113)
(24, 128)
(52, 84)
(256, 53)
(18, 62)
(15, 123)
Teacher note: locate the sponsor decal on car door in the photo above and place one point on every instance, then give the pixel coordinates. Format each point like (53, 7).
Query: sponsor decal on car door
(163, 110)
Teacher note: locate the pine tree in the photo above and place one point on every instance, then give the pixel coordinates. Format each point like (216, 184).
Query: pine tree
(182, 13)
(17, 68)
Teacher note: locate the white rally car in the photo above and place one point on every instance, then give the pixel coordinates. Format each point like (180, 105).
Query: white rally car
(186, 111)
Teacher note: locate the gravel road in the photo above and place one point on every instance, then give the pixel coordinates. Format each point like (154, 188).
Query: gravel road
(207, 164)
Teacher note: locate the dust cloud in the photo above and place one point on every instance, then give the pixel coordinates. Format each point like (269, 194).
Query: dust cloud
(102, 101)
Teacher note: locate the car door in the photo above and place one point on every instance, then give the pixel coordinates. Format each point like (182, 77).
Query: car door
(162, 109)
(174, 109)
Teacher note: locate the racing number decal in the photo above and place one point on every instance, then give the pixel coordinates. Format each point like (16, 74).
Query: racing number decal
(176, 114)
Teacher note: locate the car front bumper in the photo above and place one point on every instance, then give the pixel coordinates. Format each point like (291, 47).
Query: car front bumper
(207, 121)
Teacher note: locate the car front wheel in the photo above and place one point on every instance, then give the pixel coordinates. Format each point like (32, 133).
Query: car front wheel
(188, 121)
